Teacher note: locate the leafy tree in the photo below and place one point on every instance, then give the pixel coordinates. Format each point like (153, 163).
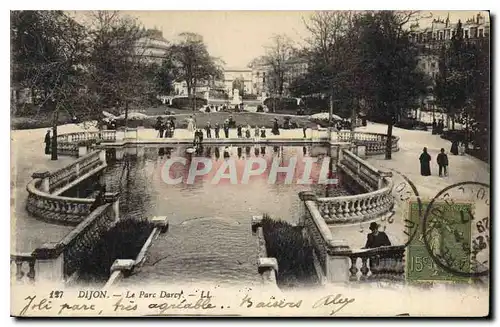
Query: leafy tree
(454, 75)
(393, 84)
(193, 62)
(49, 51)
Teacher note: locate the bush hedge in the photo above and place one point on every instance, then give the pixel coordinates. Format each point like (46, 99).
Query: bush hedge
(281, 104)
(295, 257)
(187, 103)
(123, 241)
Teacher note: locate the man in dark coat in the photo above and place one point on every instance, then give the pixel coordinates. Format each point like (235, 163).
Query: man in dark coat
(442, 160)
(376, 238)
(208, 129)
(425, 167)
(47, 142)
(275, 130)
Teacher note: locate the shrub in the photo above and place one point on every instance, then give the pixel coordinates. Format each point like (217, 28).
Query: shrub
(123, 241)
(187, 103)
(281, 104)
(295, 257)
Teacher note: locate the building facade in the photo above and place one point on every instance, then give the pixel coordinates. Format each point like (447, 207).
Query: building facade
(232, 74)
(439, 33)
(152, 47)
(262, 74)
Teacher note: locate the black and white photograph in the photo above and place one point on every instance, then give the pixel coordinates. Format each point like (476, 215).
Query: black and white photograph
(250, 163)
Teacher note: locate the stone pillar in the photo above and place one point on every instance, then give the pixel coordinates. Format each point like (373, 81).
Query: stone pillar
(119, 153)
(82, 150)
(120, 135)
(114, 198)
(140, 134)
(160, 222)
(337, 262)
(305, 196)
(49, 264)
(102, 155)
(256, 223)
(44, 176)
(361, 151)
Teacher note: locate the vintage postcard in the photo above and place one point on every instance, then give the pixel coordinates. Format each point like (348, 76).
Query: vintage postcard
(250, 163)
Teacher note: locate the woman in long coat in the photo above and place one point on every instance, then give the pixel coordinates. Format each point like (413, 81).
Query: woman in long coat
(425, 167)
(190, 126)
(47, 142)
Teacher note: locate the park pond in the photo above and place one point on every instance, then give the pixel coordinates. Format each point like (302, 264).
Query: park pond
(210, 233)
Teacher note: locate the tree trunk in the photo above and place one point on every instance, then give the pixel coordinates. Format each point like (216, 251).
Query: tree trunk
(453, 122)
(330, 111)
(126, 114)
(53, 155)
(194, 97)
(353, 118)
(388, 144)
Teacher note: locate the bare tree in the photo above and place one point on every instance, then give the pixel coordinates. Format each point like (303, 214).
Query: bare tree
(330, 44)
(278, 54)
(117, 60)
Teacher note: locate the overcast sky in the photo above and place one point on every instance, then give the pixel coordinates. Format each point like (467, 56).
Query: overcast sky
(240, 36)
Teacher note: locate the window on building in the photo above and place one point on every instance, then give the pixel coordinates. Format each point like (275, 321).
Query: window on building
(447, 34)
(258, 74)
(433, 65)
(480, 32)
(466, 34)
(452, 33)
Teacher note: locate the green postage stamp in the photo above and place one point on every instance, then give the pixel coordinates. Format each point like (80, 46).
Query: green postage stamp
(440, 241)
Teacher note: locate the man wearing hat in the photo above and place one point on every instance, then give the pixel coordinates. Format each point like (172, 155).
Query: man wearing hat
(376, 239)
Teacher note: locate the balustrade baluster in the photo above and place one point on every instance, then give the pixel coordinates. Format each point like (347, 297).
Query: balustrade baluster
(364, 269)
(31, 272)
(354, 269)
(19, 270)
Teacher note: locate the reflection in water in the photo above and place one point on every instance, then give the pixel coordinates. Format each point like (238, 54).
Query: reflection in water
(144, 193)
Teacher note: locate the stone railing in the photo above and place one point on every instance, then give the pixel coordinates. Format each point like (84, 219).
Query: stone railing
(79, 143)
(376, 202)
(330, 261)
(77, 168)
(59, 261)
(104, 135)
(384, 263)
(23, 267)
(375, 143)
(122, 268)
(44, 201)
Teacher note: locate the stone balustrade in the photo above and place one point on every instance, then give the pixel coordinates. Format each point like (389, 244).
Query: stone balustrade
(44, 201)
(59, 261)
(104, 135)
(384, 263)
(375, 143)
(23, 267)
(376, 202)
(356, 208)
(77, 168)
